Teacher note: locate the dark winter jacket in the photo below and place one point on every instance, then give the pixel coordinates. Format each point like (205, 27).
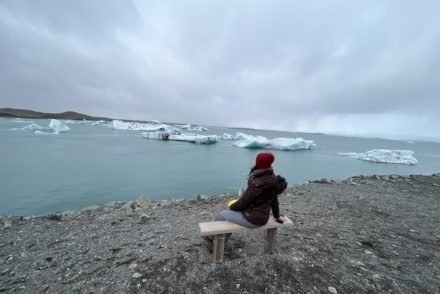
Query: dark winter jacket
(260, 196)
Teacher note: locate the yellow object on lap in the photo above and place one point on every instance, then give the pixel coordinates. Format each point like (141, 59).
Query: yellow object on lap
(231, 202)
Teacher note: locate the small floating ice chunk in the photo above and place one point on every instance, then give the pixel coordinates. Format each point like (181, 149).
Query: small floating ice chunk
(227, 136)
(69, 121)
(22, 121)
(189, 127)
(31, 127)
(239, 136)
(95, 123)
(385, 156)
(58, 126)
(193, 138)
(38, 132)
(200, 129)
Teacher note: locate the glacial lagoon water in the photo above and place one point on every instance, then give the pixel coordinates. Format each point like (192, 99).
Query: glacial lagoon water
(90, 164)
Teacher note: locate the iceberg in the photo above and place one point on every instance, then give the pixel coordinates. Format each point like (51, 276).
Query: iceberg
(385, 156)
(31, 127)
(138, 126)
(289, 144)
(188, 127)
(95, 123)
(292, 144)
(58, 126)
(227, 136)
(239, 136)
(55, 127)
(192, 138)
(253, 142)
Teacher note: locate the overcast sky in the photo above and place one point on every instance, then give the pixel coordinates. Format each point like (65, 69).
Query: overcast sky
(344, 67)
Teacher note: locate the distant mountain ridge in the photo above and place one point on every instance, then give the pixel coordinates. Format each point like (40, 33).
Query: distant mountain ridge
(25, 113)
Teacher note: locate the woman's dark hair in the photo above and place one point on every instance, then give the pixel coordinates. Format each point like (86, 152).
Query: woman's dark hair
(254, 168)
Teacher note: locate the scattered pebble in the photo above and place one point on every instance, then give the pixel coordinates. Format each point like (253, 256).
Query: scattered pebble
(137, 275)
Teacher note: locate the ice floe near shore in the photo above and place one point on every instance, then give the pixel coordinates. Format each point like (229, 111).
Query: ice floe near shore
(192, 138)
(385, 156)
(288, 144)
(55, 127)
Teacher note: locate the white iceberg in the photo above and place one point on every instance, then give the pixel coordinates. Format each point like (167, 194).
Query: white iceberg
(227, 136)
(189, 127)
(58, 126)
(385, 156)
(95, 122)
(253, 142)
(239, 136)
(193, 138)
(290, 144)
(138, 126)
(55, 127)
(31, 127)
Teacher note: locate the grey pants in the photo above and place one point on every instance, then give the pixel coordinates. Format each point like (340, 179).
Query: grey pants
(235, 217)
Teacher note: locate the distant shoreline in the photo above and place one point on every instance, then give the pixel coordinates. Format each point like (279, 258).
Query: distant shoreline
(67, 115)
(26, 113)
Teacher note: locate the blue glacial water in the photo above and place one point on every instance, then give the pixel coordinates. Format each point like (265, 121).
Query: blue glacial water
(42, 174)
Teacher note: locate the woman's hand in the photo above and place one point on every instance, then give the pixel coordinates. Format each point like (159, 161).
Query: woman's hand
(283, 218)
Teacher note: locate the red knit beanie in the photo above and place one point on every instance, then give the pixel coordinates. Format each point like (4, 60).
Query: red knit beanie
(264, 160)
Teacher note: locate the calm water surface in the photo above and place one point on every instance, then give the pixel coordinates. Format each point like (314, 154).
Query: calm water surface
(93, 164)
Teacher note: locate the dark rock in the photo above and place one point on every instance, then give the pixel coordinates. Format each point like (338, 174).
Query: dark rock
(367, 243)
(54, 217)
(202, 197)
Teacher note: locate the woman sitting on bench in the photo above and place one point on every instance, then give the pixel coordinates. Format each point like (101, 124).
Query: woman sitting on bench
(253, 208)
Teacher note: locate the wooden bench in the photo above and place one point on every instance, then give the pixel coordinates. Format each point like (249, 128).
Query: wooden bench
(220, 228)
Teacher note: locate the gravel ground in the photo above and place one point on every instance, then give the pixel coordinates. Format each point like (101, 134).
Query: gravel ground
(375, 234)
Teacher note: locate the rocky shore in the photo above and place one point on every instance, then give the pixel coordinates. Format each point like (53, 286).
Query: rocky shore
(375, 234)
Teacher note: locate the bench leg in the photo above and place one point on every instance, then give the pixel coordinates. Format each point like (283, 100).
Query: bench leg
(271, 238)
(219, 248)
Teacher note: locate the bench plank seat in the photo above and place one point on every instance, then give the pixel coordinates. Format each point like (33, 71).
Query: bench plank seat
(223, 227)
(220, 228)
